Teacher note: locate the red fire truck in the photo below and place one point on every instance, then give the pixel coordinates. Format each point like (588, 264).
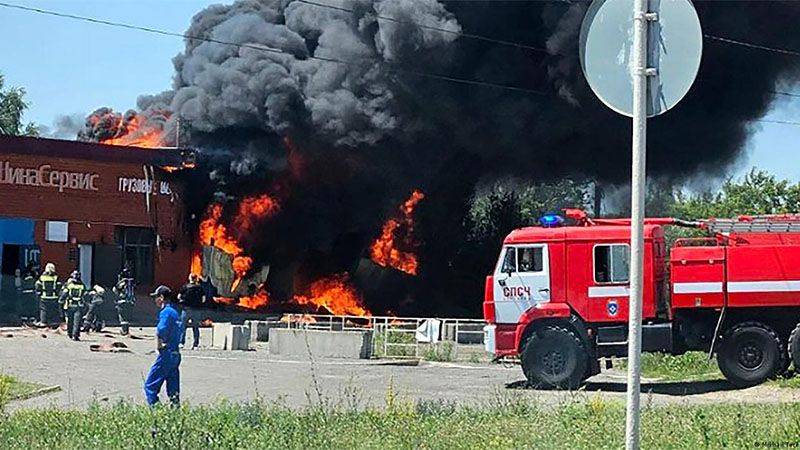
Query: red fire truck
(558, 297)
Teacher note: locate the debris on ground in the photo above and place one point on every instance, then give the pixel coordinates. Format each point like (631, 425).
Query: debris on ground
(110, 347)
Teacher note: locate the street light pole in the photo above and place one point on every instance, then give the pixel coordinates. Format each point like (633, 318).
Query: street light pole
(638, 186)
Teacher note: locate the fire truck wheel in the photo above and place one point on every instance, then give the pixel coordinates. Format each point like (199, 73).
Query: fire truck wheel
(555, 357)
(786, 361)
(750, 353)
(794, 347)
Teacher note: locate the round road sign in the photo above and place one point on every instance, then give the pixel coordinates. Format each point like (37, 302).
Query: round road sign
(675, 45)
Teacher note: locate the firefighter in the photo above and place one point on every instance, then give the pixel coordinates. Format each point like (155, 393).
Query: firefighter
(72, 301)
(95, 298)
(191, 297)
(47, 289)
(166, 367)
(28, 304)
(126, 297)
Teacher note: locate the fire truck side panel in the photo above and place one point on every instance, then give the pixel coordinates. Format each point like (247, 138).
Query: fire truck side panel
(763, 275)
(558, 276)
(765, 238)
(698, 277)
(600, 301)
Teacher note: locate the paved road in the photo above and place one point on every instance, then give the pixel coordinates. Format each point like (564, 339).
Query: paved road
(208, 375)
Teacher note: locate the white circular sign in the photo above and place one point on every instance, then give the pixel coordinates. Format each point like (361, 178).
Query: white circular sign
(675, 46)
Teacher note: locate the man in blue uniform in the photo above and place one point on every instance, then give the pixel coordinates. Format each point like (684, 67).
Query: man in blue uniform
(168, 361)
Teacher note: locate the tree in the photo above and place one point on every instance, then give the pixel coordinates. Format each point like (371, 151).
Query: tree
(493, 213)
(507, 206)
(758, 192)
(12, 108)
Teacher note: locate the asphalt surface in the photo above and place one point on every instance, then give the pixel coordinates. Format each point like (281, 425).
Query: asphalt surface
(207, 375)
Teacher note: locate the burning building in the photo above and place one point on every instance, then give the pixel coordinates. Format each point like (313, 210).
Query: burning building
(91, 207)
(319, 123)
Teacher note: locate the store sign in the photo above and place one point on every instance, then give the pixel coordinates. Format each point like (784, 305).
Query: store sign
(46, 176)
(143, 186)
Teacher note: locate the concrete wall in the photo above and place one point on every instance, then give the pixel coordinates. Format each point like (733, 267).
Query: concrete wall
(259, 329)
(321, 344)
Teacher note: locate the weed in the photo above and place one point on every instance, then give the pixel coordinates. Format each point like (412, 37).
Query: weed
(440, 351)
(394, 344)
(691, 366)
(511, 423)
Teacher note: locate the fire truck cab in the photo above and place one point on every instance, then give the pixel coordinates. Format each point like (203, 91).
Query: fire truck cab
(558, 297)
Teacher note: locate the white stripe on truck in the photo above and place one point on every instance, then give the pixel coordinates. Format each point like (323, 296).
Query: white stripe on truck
(764, 286)
(697, 288)
(608, 291)
(737, 287)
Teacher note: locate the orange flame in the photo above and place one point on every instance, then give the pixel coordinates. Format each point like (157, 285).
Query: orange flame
(336, 295)
(172, 169)
(305, 318)
(132, 133)
(214, 232)
(251, 210)
(259, 300)
(197, 264)
(385, 251)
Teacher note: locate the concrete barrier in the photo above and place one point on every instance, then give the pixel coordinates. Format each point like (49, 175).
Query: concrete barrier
(259, 329)
(226, 336)
(321, 344)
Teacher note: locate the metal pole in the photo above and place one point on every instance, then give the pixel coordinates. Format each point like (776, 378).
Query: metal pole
(639, 148)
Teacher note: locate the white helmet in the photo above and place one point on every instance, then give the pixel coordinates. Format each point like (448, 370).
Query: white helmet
(99, 289)
(50, 267)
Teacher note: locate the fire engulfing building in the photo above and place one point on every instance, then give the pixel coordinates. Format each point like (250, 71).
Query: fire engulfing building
(90, 207)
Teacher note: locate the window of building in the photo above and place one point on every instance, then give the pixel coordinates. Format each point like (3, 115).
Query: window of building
(55, 231)
(137, 251)
(611, 263)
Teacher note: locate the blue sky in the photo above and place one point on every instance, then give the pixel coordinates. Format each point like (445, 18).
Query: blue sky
(70, 67)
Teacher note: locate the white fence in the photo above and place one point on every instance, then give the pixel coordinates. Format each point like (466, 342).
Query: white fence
(403, 337)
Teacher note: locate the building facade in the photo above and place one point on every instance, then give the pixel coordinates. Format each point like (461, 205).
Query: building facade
(90, 207)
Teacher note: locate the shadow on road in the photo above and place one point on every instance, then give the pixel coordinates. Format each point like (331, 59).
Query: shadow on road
(676, 388)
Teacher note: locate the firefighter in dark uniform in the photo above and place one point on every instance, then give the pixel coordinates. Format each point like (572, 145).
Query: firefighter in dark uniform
(126, 297)
(72, 301)
(94, 299)
(29, 300)
(47, 289)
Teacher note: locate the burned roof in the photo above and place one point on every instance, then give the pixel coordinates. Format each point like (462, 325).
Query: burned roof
(58, 148)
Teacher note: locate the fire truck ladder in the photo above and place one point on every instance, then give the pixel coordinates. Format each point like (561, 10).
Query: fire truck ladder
(754, 224)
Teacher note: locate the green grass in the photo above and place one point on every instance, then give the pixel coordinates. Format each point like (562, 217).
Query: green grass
(12, 388)
(505, 423)
(440, 351)
(789, 380)
(691, 366)
(381, 350)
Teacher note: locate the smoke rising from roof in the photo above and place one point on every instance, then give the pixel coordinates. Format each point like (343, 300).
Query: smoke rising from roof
(367, 131)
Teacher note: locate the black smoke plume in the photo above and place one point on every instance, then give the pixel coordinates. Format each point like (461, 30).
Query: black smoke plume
(342, 140)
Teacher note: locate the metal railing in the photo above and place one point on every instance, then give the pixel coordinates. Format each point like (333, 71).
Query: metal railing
(398, 337)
